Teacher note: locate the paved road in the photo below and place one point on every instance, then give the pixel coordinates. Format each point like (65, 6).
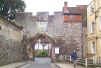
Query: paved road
(39, 63)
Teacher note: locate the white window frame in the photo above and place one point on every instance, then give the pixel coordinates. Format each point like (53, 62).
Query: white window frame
(92, 9)
(93, 49)
(71, 16)
(92, 27)
(100, 22)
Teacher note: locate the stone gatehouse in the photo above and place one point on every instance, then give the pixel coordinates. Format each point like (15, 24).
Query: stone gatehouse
(65, 30)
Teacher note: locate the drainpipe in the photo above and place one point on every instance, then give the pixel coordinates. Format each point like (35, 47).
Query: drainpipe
(96, 28)
(98, 4)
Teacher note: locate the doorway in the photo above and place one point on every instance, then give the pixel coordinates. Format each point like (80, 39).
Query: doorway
(40, 43)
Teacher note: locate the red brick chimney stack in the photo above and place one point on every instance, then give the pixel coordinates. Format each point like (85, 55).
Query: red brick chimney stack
(65, 4)
(65, 7)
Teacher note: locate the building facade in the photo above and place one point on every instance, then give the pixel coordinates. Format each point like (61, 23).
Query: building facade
(94, 29)
(67, 28)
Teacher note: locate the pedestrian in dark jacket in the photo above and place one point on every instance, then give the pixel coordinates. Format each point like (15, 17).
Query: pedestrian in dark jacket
(74, 58)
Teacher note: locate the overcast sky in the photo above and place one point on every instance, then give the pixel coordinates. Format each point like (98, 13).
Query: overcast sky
(51, 5)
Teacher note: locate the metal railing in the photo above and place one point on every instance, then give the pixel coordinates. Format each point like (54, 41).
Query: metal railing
(94, 60)
(86, 61)
(99, 60)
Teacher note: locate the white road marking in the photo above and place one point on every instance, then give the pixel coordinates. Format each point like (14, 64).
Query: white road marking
(25, 66)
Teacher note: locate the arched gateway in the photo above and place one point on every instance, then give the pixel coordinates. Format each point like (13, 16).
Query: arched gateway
(30, 46)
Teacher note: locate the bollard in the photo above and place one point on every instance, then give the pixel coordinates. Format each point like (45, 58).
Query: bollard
(70, 58)
(65, 57)
(93, 61)
(86, 62)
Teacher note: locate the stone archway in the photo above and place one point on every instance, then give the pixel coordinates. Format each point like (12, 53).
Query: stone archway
(31, 43)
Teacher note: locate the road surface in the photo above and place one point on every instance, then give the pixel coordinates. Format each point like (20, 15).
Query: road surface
(39, 63)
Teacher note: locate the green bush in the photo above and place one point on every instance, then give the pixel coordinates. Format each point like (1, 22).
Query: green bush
(43, 53)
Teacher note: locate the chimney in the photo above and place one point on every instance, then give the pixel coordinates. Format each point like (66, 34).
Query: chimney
(65, 4)
(65, 7)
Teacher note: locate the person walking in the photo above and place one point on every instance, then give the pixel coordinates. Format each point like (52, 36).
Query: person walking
(74, 58)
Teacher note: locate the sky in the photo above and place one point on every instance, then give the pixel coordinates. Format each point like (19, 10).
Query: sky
(51, 6)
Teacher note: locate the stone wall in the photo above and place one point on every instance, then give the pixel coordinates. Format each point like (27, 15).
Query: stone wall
(68, 36)
(85, 49)
(68, 33)
(10, 42)
(28, 22)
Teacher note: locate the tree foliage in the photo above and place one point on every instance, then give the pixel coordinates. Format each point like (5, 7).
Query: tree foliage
(43, 53)
(8, 8)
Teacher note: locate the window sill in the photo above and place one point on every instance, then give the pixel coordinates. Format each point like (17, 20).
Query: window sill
(92, 33)
(99, 30)
(91, 14)
(93, 53)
